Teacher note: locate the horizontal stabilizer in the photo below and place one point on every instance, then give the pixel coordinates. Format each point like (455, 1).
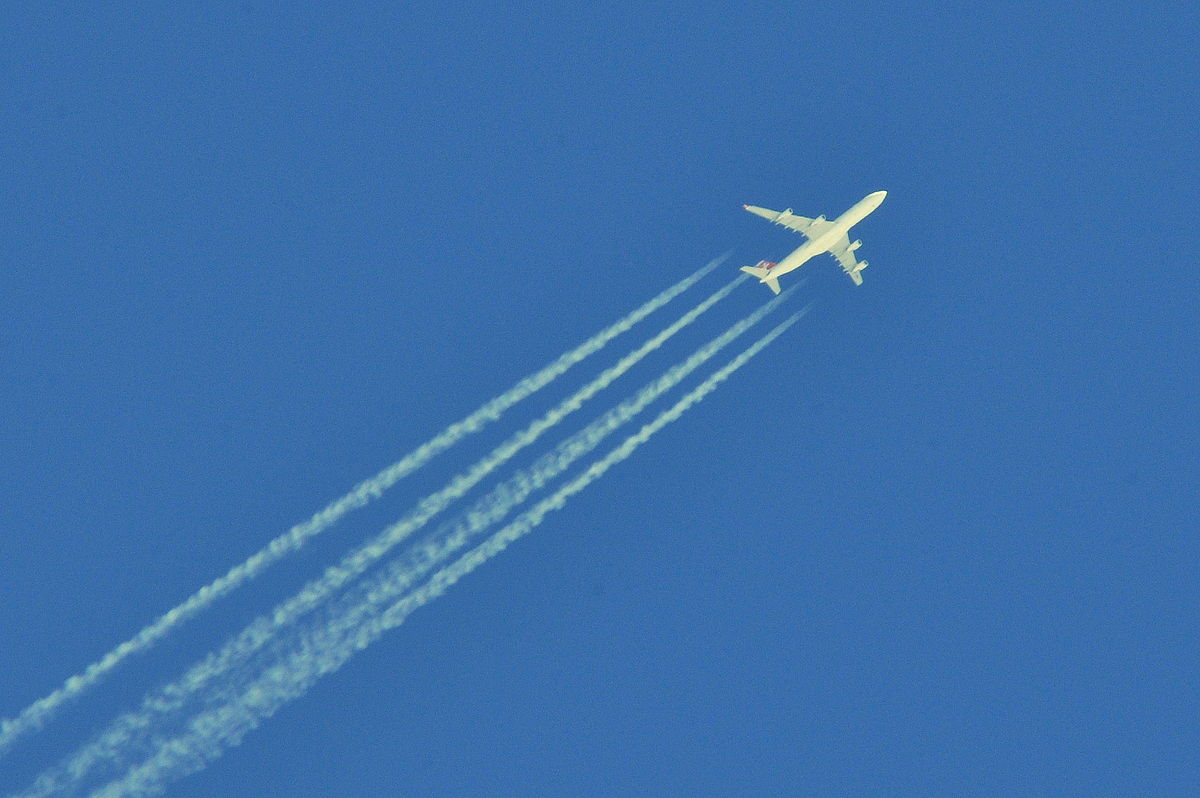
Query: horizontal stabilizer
(764, 276)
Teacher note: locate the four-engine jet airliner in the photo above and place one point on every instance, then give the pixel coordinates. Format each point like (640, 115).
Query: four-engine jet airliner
(823, 236)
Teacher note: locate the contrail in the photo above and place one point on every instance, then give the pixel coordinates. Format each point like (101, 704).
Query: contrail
(109, 745)
(37, 714)
(406, 569)
(324, 650)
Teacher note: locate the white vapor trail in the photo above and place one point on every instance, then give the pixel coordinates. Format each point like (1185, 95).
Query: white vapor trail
(406, 569)
(108, 747)
(323, 650)
(36, 715)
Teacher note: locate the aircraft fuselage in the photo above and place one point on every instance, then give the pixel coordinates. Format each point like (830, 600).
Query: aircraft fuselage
(828, 238)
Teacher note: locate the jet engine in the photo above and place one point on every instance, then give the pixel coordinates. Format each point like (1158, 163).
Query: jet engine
(854, 246)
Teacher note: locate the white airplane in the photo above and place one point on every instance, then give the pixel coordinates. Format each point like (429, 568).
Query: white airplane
(823, 236)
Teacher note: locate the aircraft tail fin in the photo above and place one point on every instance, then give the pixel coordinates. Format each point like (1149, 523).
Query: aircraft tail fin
(764, 275)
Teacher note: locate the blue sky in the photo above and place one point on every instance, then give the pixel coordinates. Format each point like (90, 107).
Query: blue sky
(938, 539)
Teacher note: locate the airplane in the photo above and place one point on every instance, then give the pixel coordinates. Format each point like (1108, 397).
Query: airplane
(823, 236)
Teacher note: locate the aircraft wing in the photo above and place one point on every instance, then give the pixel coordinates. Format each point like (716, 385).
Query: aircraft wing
(845, 256)
(801, 224)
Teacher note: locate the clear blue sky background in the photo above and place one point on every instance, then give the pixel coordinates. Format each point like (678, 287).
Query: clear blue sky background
(939, 539)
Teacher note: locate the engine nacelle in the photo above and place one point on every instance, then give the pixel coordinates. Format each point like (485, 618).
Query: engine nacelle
(819, 219)
(862, 264)
(854, 246)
